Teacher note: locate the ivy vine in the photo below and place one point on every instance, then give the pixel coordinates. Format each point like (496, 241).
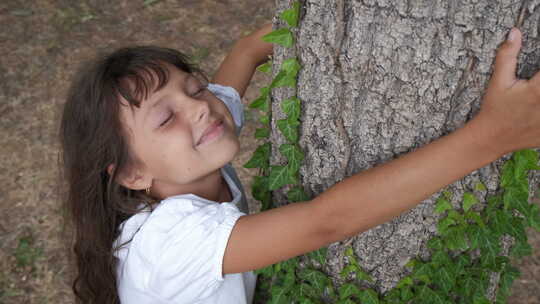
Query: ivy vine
(463, 255)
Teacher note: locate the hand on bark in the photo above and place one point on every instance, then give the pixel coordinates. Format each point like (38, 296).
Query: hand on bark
(510, 111)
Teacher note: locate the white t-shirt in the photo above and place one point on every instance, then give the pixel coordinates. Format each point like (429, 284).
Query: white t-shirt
(176, 251)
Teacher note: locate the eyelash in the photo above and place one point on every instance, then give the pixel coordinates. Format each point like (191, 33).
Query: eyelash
(199, 91)
(166, 120)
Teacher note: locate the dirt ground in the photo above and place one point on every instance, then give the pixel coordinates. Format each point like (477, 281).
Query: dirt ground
(42, 42)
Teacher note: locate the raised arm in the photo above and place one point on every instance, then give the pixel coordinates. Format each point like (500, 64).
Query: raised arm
(239, 65)
(509, 120)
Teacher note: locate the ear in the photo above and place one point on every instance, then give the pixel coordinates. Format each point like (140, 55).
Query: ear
(131, 178)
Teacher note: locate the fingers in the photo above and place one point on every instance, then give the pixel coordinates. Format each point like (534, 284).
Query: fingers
(504, 73)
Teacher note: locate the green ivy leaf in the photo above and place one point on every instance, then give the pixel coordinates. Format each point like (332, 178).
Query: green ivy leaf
(500, 262)
(260, 188)
(291, 15)
(393, 296)
(442, 205)
(364, 276)
(533, 218)
(291, 107)
(469, 200)
(427, 295)
(445, 279)
(521, 249)
(304, 300)
(508, 276)
(423, 271)
(289, 129)
(458, 217)
(283, 37)
(261, 102)
(260, 157)
(262, 133)
(264, 119)
(412, 263)
(475, 216)
(449, 195)
(406, 281)
(347, 290)
(316, 278)
(440, 258)
(507, 174)
(319, 255)
(290, 264)
(473, 234)
(265, 68)
(515, 198)
(455, 238)
(306, 290)
(279, 177)
(442, 225)
(291, 66)
(462, 262)
(293, 154)
(526, 160)
(289, 280)
(480, 299)
(468, 286)
(266, 271)
(347, 270)
(517, 229)
(479, 186)
(297, 194)
(489, 247)
(406, 294)
(369, 296)
(435, 244)
(283, 79)
(349, 252)
(279, 295)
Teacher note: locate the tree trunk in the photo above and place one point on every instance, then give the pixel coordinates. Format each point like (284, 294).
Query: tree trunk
(381, 78)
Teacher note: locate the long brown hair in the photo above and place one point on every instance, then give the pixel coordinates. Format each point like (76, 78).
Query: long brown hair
(92, 138)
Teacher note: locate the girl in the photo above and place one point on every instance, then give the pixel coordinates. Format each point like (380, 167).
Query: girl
(159, 214)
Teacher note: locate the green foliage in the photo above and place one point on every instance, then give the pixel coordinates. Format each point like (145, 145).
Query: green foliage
(283, 37)
(27, 253)
(265, 68)
(466, 251)
(260, 157)
(291, 15)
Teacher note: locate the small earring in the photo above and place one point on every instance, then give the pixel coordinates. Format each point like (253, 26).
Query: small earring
(147, 190)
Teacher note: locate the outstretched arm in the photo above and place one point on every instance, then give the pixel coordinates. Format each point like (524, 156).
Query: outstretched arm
(239, 65)
(509, 120)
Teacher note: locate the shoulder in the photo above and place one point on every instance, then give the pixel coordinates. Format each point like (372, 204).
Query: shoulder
(178, 217)
(182, 244)
(232, 100)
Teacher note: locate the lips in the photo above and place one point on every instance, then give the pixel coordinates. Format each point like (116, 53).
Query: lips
(212, 131)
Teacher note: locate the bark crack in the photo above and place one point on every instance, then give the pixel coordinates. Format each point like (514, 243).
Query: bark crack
(341, 27)
(459, 90)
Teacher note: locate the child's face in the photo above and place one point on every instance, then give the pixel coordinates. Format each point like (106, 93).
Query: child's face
(180, 133)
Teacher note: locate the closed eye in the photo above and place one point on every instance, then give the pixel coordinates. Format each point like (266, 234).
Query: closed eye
(169, 118)
(199, 91)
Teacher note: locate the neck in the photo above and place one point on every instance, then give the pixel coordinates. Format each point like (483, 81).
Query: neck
(211, 187)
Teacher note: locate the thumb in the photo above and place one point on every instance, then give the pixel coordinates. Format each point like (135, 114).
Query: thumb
(504, 73)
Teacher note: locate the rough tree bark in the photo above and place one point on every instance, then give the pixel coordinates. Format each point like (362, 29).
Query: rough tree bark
(381, 78)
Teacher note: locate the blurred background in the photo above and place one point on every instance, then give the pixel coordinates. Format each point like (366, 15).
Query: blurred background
(42, 42)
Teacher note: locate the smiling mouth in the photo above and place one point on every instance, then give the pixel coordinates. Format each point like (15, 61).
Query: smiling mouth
(213, 131)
